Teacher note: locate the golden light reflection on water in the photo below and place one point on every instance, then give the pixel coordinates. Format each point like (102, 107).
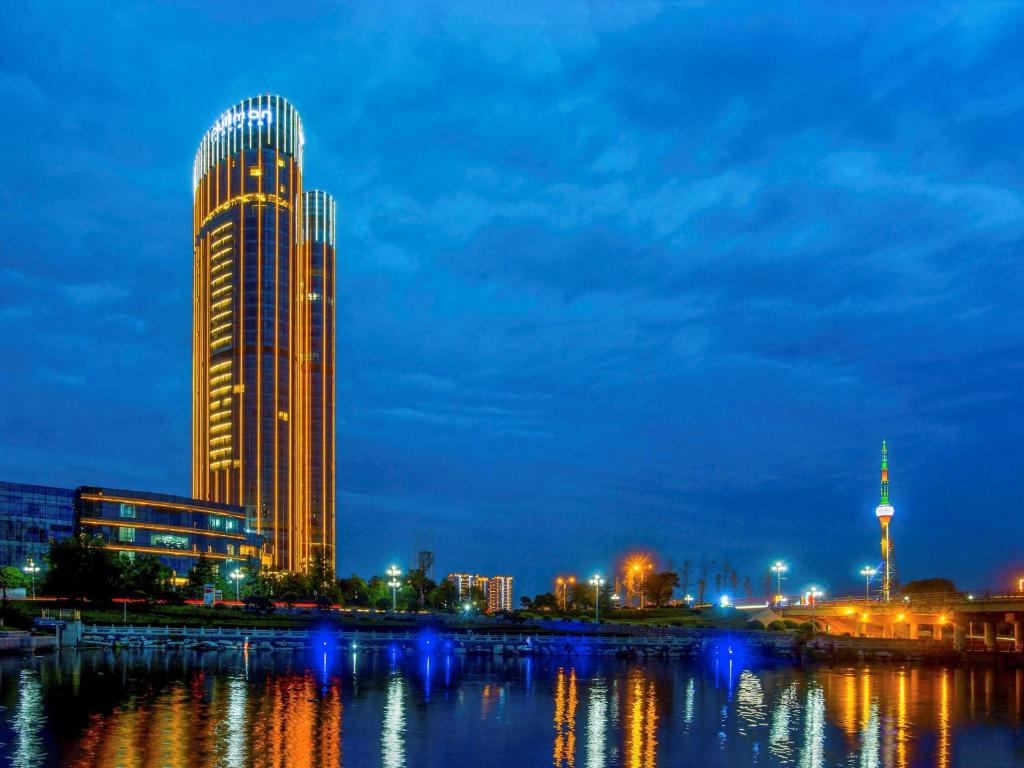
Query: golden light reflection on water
(641, 731)
(565, 719)
(610, 716)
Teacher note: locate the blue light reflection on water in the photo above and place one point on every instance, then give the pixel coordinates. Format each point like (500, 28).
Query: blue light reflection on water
(400, 708)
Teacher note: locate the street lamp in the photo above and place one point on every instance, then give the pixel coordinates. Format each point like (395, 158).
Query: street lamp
(813, 594)
(688, 599)
(563, 586)
(237, 576)
(597, 581)
(32, 569)
(778, 569)
(867, 572)
(394, 572)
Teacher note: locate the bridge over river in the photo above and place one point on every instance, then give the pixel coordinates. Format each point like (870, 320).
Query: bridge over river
(971, 621)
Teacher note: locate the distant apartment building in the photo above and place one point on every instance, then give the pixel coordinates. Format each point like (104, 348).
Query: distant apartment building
(499, 594)
(496, 590)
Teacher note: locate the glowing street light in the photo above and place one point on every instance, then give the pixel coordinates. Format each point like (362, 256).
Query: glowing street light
(778, 569)
(562, 585)
(237, 576)
(394, 572)
(688, 599)
(867, 572)
(597, 581)
(31, 569)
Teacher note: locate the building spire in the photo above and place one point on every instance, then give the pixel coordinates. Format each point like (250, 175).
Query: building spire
(885, 474)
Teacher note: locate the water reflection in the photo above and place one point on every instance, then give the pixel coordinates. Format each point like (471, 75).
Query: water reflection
(260, 710)
(28, 721)
(392, 740)
(565, 719)
(597, 724)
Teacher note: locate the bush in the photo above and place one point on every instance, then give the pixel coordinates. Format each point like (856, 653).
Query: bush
(790, 624)
(777, 626)
(261, 605)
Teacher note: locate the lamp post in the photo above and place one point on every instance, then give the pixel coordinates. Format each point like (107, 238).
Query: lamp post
(867, 572)
(597, 581)
(394, 572)
(778, 569)
(31, 569)
(814, 593)
(237, 576)
(562, 585)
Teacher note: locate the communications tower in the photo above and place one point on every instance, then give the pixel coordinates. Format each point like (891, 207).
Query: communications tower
(884, 512)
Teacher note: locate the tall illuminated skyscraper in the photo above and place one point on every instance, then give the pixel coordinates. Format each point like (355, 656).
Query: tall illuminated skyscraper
(884, 513)
(253, 322)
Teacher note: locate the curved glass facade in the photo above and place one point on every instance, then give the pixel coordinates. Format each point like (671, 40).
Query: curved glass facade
(252, 325)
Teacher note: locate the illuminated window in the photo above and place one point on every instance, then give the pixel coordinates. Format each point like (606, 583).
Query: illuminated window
(128, 511)
(126, 535)
(231, 549)
(170, 541)
(230, 525)
(216, 523)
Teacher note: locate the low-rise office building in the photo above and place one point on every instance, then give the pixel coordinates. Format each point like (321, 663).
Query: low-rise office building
(176, 529)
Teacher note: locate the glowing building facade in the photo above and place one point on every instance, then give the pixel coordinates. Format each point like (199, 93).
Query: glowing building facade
(255, 324)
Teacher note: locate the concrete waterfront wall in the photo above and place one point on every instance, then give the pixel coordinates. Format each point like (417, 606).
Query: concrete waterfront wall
(693, 643)
(25, 642)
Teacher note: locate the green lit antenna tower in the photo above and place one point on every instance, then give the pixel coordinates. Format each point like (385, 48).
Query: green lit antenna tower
(884, 513)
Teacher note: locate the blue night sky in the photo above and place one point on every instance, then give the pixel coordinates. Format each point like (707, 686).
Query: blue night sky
(610, 275)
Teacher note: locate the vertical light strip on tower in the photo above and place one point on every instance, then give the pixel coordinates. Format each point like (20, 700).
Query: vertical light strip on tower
(884, 513)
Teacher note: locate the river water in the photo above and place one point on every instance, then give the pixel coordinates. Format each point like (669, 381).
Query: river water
(162, 708)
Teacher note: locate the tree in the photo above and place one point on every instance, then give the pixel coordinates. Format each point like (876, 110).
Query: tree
(660, 587)
(748, 587)
(354, 590)
(144, 576)
(82, 567)
(685, 576)
(546, 601)
(933, 586)
(379, 593)
(702, 578)
(200, 575)
(320, 580)
(12, 578)
(443, 596)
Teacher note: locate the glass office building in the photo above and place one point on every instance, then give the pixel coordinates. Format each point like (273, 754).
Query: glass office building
(31, 515)
(175, 529)
(258, 306)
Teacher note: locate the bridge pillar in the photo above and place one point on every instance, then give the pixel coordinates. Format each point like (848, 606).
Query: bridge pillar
(959, 637)
(990, 635)
(1018, 636)
(912, 629)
